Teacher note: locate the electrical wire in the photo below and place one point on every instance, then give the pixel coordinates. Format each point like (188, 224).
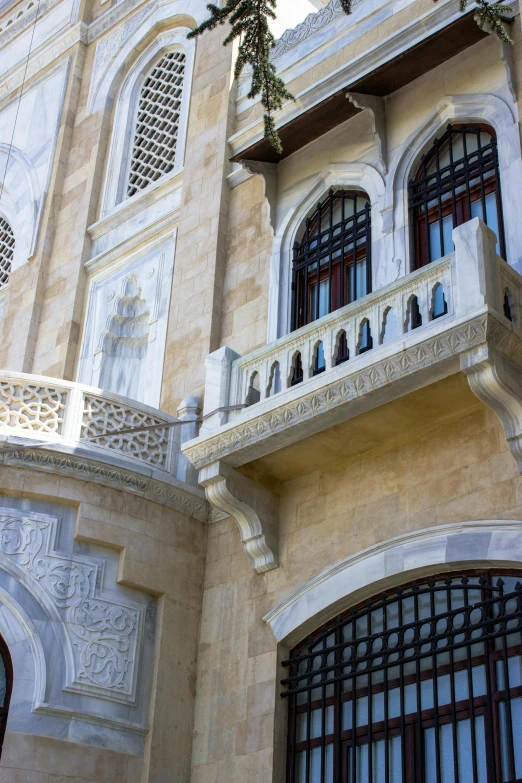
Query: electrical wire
(10, 148)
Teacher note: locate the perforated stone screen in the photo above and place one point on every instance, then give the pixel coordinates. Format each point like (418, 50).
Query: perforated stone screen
(7, 242)
(157, 123)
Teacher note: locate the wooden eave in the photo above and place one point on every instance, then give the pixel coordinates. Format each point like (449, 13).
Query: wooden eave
(388, 77)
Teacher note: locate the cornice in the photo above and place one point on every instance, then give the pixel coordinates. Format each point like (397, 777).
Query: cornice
(53, 50)
(188, 501)
(113, 16)
(235, 437)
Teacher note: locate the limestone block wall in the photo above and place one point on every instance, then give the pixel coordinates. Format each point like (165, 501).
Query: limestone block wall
(460, 469)
(153, 555)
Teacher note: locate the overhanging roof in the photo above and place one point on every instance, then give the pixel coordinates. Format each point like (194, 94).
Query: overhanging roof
(388, 77)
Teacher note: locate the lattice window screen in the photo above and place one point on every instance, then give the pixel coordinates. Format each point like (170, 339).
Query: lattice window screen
(7, 242)
(157, 123)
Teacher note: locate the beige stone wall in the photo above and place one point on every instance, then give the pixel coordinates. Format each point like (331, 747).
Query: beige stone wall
(457, 470)
(162, 552)
(197, 291)
(247, 278)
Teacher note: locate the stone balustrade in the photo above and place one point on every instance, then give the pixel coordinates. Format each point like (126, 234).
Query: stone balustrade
(419, 321)
(72, 428)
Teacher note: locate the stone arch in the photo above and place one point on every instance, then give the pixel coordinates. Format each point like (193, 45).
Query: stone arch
(117, 82)
(390, 563)
(483, 108)
(20, 202)
(356, 176)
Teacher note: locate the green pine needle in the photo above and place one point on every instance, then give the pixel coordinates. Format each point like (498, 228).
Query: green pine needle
(249, 23)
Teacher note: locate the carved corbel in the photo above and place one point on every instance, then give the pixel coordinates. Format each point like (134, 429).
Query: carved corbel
(376, 107)
(254, 508)
(269, 173)
(498, 384)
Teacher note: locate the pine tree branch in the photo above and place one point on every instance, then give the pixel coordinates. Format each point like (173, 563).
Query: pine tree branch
(249, 21)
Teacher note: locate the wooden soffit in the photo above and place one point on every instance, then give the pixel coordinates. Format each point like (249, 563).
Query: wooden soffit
(388, 77)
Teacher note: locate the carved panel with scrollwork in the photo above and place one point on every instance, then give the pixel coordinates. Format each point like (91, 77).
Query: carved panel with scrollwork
(105, 637)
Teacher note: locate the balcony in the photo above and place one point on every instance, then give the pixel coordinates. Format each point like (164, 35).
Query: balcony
(411, 344)
(70, 429)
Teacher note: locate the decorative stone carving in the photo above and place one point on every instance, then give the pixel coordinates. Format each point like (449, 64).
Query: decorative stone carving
(312, 23)
(310, 406)
(124, 336)
(254, 508)
(497, 383)
(119, 362)
(101, 416)
(35, 407)
(104, 635)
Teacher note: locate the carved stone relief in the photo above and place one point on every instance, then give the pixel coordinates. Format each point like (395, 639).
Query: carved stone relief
(104, 635)
(125, 325)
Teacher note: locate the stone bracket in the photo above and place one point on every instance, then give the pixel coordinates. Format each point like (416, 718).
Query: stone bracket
(376, 107)
(254, 508)
(498, 384)
(269, 173)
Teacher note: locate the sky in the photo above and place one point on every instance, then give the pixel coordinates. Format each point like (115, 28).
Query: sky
(289, 14)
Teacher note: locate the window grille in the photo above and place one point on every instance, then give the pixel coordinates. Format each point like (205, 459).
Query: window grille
(419, 685)
(6, 684)
(157, 123)
(332, 265)
(7, 242)
(457, 180)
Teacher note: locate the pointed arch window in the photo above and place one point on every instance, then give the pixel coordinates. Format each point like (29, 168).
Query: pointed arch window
(332, 257)
(7, 243)
(457, 180)
(422, 684)
(6, 685)
(157, 122)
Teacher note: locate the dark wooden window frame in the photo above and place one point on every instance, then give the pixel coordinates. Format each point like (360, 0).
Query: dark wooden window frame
(322, 253)
(6, 657)
(441, 185)
(331, 673)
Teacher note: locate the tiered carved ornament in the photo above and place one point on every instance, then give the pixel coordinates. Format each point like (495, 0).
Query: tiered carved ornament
(104, 636)
(101, 416)
(35, 407)
(125, 343)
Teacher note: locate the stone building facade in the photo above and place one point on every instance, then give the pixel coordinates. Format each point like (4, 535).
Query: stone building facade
(260, 414)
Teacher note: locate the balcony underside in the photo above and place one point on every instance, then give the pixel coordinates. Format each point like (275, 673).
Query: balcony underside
(387, 78)
(403, 418)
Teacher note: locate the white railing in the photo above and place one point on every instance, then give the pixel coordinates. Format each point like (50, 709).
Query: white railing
(440, 293)
(54, 412)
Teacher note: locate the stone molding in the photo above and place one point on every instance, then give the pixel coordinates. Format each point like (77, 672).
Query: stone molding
(254, 508)
(425, 354)
(104, 637)
(388, 564)
(185, 499)
(51, 419)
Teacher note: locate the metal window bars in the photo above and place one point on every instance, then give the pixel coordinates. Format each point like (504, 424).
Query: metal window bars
(419, 685)
(7, 243)
(332, 262)
(157, 123)
(458, 179)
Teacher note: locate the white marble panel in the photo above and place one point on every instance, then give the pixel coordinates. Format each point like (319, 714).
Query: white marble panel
(430, 551)
(26, 164)
(110, 326)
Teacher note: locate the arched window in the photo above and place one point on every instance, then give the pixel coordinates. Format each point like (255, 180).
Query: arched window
(6, 685)
(157, 123)
(332, 265)
(7, 243)
(457, 180)
(422, 684)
